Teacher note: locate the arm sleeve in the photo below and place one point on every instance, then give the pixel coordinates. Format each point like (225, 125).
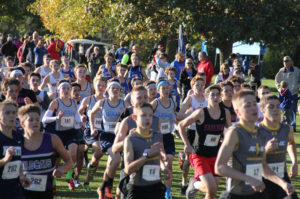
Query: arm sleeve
(48, 117)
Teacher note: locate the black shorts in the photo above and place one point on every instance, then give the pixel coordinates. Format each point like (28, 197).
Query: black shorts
(156, 191)
(276, 192)
(90, 139)
(48, 194)
(169, 144)
(68, 137)
(256, 195)
(80, 136)
(191, 136)
(106, 141)
(11, 190)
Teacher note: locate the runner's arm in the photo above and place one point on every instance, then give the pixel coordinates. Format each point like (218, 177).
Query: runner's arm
(94, 111)
(120, 136)
(45, 82)
(184, 106)
(292, 151)
(228, 118)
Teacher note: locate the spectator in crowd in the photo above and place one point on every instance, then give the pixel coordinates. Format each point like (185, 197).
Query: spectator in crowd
(254, 74)
(186, 76)
(194, 54)
(121, 51)
(206, 67)
(188, 52)
(81, 52)
(178, 63)
(35, 38)
(224, 73)
(94, 59)
(290, 74)
(52, 50)
(127, 57)
(39, 52)
(9, 49)
(161, 65)
(246, 65)
(27, 50)
(285, 98)
(230, 59)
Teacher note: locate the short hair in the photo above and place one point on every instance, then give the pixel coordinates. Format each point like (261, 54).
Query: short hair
(224, 66)
(8, 82)
(134, 80)
(7, 103)
(109, 54)
(63, 80)
(195, 79)
(201, 74)
(47, 56)
(54, 61)
(140, 106)
(240, 94)
(99, 78)
(147, 82)
(80, 66)
(15, 68)
(232, 56)
(134, 55)
(224, 84)
(33, 74)
(245, 86)
(178, 55)
(203, 53)
(263, 87)
(114, 79)
(284, 84)
(29, 108)
(122, 43)
(212, 87)
(74, 84)
(120, 65)
(27, 64)
(170, 68)
(237, 79)
(138, 88)
(9, 58)
(264, 100)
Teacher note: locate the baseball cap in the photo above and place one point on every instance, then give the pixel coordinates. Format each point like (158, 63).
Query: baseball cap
(287, 58)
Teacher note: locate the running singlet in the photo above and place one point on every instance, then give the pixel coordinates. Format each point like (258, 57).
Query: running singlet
(167, 116)
(174, 93)
(69, 72)
(67, 121)
(134, 71)
(231, 110)
(209, 134)
(149, 173)
(276, 159)
(98, 118)
(38, 165)
(195, 105)
(53, 83)
(105, 72)
(247, 158)
(154, 125)
(110, 115)
(87, 91)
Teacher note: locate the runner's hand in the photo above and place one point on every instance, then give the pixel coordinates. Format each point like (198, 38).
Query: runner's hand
(188, 149)
(27, 100)
(257, 185)
(60, 115)
(25, 182)
(10, 152)
(288, 188)
(94, 132)
(57, 173)
(83, 118)
(293, 170)
(271, 145)
(155, 149)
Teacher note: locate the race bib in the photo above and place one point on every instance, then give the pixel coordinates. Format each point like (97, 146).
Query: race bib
(38, 182)
(212, 140)
(254, 170)
(110, 126)
(151, 172)
(278, 168)
(67, 121)
(11, 170)
(165, 127)
(17, 150)
(98, 122)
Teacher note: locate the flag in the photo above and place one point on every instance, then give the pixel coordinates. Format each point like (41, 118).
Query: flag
(181, 47)
(203, 46)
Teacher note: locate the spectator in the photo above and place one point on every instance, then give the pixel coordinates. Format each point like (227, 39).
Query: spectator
(127, 57)
(178, 63)
(285, 98)
(230, 59)
(206, 67)
(246, 65)
(121, 51)
(254, 74)
(9, 49)
(94, 60)
(290, 74)
(186, 76)
(81, 52)
(224, 73)
(161, 65)
(194, 54)
(188, 52)
(27, 50)
(52, 50)
(39, 52)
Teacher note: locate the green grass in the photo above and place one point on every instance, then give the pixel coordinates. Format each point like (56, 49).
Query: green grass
(64, 192)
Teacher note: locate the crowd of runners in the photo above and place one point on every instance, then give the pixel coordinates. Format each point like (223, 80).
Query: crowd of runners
(53, 114)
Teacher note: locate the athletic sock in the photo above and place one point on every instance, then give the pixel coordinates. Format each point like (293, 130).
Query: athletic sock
(69, 174)
(104, 184)
(54, 182)
(110, 182)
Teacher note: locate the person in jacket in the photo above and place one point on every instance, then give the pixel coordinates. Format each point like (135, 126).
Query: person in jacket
(178, 63)
(52, 50)
(39, 52)
(120, 52)
(186, 76)
(9, 49)
(94, 59)
(224, 73)
(290, 74)
(206, 67)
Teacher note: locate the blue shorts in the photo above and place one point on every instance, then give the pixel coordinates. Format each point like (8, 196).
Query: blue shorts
(106, 141)
(169, 144)
(90, 139)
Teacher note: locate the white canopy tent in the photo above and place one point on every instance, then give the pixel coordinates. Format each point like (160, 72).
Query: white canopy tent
(244, 49)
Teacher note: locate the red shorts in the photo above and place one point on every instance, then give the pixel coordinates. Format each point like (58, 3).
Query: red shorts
(202, 165)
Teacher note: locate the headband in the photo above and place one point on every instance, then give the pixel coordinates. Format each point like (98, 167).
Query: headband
(161, 83)
(15, 72)
(113, 83)
(150, 85)
(62, 84)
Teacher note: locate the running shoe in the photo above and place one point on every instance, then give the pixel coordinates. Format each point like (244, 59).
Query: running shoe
(191, 190)
(108, 193)
(181, 159)
(168, 194)
(86, 187)
(183, 189)
(77, 183)
(71, 184)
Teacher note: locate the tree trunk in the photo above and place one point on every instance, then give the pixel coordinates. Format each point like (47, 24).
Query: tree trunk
(225, 50)
(171, 47)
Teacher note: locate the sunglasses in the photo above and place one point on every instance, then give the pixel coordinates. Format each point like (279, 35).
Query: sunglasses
(285, 60)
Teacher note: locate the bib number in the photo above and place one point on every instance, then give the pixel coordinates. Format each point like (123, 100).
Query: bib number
(98, 122)
(165, 128)
(110, 126)
(151, 172)
(212, 140)
(278, 168)
(11, 170)
(67, 121)
(254, 170)
(38, 182)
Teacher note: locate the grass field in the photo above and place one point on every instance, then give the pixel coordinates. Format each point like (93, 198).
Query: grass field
(64, 192)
